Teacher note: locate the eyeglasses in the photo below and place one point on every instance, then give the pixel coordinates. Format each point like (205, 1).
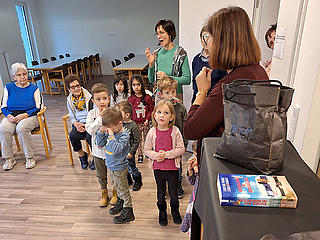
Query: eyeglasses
(205, 38)
(75, 86)
(161, 33)
(21, 75)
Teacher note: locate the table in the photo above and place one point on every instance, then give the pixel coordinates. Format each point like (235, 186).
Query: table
(53, 65)
(230, 222)
(133, 65)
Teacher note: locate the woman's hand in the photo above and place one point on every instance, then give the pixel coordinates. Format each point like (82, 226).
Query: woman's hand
(146, 122)
(192, 165)
(11, 118)
(21, 116)
(203, 80)
(161, 75)
(79, 126)
(150, 57)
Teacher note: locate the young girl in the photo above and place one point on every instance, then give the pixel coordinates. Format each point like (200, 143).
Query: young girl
(142, 107)
(164, 146)
(120, 90)
(193, 177)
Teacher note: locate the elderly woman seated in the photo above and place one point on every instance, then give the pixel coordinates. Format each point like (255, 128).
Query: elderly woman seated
(20, 104)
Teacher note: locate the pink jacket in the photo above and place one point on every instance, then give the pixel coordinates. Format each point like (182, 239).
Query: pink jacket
(177, 142)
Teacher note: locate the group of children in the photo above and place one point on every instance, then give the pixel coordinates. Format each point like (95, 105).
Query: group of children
(119, 127)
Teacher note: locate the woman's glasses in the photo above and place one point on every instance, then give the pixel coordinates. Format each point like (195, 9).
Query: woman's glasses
(75, 86)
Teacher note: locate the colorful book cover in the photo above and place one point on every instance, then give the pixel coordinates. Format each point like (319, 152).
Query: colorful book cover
(255, 191)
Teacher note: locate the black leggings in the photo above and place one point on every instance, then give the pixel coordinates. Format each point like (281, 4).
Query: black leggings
(76, 137)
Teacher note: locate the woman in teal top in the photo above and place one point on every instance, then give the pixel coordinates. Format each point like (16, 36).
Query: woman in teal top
(170, 59)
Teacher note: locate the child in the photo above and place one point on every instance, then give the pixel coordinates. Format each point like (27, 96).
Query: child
(94, 122)
(120, 90)
(193, 177)
(78, 104)
(168, 90)
(115, 141)
(164, 146)
(132, 128)
(142, 105)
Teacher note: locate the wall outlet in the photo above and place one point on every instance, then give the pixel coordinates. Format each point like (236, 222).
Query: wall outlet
(294, 122)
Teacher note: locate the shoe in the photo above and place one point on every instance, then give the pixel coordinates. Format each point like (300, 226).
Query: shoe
(114, 198)
(140, 159)
(125, 216)
(30, 163)
(180, 192)
(129, 179)
(117, 208)
(9, 164)
(84, 161)
(92, 166)
(104, 198)
(163, 218)
(137, 183)
(176, 215)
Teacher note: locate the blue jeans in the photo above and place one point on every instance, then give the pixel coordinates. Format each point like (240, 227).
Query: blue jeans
(133, 170)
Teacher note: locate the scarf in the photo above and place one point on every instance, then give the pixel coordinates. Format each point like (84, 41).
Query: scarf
(79, 104)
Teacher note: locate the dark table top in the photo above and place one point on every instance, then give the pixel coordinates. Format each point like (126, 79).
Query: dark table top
(233, 222)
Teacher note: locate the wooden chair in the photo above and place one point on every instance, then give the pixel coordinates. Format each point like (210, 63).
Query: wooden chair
(53, 58)
(65, 118)
(61, 56)
(34, 77)
(97, 63)
(67, 55)
(42, 129)
(57, 77)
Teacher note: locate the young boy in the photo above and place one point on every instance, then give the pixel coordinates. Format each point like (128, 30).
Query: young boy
(94, 122)
(135, 137)
(168, 90)
(78, 104)
(115, 142)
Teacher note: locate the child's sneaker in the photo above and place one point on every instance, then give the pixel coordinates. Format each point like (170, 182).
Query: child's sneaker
(180, 191)
(125, 216)
(92, 166)
(114, 198)
(9, 164)
(140, 159)
(104, 198)
(30, 163)
(84, 161)
(117, 208)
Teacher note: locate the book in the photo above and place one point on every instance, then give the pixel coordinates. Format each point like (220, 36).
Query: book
(256, 191)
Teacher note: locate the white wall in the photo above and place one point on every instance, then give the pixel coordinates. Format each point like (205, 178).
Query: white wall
(79, 27)
(192, 16)
(10, 39)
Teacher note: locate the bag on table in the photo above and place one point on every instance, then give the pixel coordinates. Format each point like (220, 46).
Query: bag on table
(255, 117)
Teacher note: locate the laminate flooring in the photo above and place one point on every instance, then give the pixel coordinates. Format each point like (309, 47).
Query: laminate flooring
(57, 201)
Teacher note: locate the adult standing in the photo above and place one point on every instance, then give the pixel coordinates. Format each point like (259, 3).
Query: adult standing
(170, 59)
(202, 60)
(270, 38)
(20, 104)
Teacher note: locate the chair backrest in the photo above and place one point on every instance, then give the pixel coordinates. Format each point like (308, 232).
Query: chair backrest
(53, 58)
(113, 64)
(131, 55)
(45, 60)
(126, 58)
(118, 62)
(61, 56)
(67, 55)
(97, 57)
(34, 63)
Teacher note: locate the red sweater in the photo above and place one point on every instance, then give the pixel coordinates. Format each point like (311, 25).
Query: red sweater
(207, 119)
(140, 112)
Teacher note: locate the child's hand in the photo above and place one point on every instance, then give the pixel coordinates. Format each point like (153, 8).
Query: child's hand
(129, 156)
(161, 156)
(175, 100)
(192, 164)
(161, 75)
(110, 131)
(103, 129)
(146, 123)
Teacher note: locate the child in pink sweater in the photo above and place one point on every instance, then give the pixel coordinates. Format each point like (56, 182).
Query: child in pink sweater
(164, 145)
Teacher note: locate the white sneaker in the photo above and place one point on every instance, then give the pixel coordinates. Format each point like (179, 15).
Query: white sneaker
(30, 163)
(9, 164)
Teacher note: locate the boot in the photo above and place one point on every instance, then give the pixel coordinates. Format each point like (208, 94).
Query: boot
(104, 198)
(129, 179)
(137, 183)
(176, 214)
(92, 166)
(180, 191)
(163, 218)
(117, 208)
(125, 216)
(114, 197)
(84, 161)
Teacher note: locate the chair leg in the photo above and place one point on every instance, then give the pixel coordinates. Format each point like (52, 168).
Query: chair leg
(17, 142)
(68, 142)
(47, 131)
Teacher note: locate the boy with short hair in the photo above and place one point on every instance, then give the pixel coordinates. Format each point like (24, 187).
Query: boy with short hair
(79, 104)
(94, 122)
(135, 137)
(168, 90)
(115, 141)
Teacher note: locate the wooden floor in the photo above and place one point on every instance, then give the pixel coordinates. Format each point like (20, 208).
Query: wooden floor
(57, 201)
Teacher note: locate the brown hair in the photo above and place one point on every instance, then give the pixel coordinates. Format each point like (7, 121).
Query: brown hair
(168, 26)
(71, 78)
(167, 82)
(160, 104)
(268, 33)
(125, 106)
(98, 88)
(204, 29)
(233, 42)
(110, 116)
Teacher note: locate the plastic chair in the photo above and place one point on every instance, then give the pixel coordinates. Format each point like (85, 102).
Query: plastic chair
(67, 55)
(65, 118)
(53, 58)
(45, 60)
(61, 56)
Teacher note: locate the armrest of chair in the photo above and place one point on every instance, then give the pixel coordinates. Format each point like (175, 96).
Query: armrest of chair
(65, 117)
(41, 112)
